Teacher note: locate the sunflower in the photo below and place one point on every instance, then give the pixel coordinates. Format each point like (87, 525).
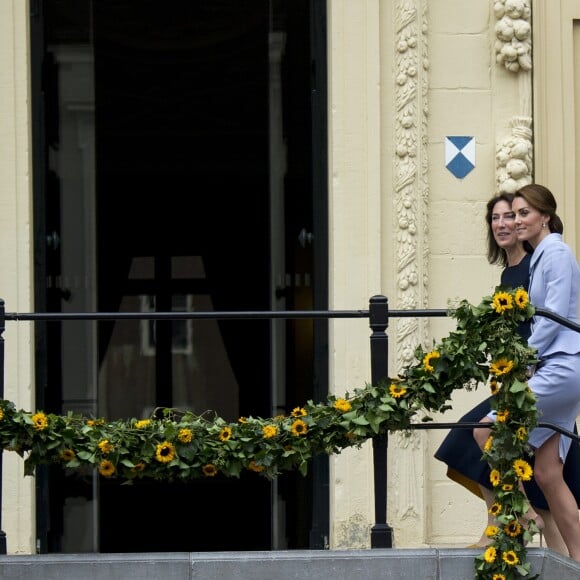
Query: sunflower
(522, 434)
(138, 467)
(40, 421)
(488, 444)
(498, 577)
(397, 391)
(67, 455)
(494, 477)
(105, 446)
(209, 470)
(269, 431)
(253, 466)
(342, 405)
(142, 423)
(502, 416)
(489, 555)
(491, 531)
(501, 367)
(521, 299)
(225, 434)
(184, 435)
(95, 422)
(165, 452)
(494, 387)
(299, 428)
(507, 487)
(495, 509)
(523, 469)
(428, 358)
(502, 301)
(510, 558)
(299, 412)
(513, 529)
(242, 420)
(106, 468)
(1, 413)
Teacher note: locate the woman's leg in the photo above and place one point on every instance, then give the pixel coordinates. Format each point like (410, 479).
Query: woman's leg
(552, 534)
(550, 478)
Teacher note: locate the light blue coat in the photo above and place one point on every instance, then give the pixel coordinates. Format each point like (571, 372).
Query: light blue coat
(554, 285)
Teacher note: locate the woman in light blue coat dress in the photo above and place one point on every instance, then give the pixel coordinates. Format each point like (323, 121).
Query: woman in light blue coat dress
(554, 285)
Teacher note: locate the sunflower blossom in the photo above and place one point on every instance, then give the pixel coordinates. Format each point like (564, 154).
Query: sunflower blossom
(488, 444)
(185, 436)
(299, 412)
(495, 509)
(342, 405)
(40, 421)
(521, 299)
(491, 531)
(494, 477)
(142, 423)
(209, 470)
(498, 577)
(299, 428)
(523, 469)
(225, 434)
(67, 455)
(107, 468)
(489, 555)
(397, 391)
(253, 466)
(501, 367)
(510, 558)
(165, 452)
(502, 416)
(428, 358)
(1, 413)
(513, 529)
(269, 431)
(522, 434)
(502, 301)
(494, 387)
(105, 446)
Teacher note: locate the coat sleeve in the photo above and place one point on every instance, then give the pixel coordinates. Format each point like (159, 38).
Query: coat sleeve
(556, 276)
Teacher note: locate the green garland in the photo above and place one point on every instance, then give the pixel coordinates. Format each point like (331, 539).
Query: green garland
(484, 348)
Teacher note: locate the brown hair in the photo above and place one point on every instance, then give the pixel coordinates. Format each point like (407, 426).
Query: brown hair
(542, 199)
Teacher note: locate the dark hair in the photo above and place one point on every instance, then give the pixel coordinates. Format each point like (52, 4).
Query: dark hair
(495, 254)
(542, 199)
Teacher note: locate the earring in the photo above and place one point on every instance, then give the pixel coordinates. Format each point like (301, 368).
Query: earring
(543, 225)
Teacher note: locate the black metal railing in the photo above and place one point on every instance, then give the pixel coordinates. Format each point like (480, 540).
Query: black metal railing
(378, 315)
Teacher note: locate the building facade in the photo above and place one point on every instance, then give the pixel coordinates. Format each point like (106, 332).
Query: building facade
(396, 84)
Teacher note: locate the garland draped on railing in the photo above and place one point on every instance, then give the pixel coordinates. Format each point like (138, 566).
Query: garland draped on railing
(174, 445)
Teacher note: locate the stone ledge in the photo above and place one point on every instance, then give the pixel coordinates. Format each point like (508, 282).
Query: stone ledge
(384, 564)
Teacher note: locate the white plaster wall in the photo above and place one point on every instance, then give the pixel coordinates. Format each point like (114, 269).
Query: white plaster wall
(355, 244)
(16, 257)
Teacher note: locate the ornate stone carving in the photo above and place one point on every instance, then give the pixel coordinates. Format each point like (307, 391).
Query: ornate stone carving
(513, 31)
(411, 185)
(411, 194)
(515, 157)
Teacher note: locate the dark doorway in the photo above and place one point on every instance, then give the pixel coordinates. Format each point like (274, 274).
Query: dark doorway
(179, 165)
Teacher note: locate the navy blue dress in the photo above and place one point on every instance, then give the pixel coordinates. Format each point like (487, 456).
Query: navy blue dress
(460, 452)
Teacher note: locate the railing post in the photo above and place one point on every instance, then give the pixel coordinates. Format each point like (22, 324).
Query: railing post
(2, 329)
(381, 532)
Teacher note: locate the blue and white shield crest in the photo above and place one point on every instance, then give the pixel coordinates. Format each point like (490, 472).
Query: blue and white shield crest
(460, 155)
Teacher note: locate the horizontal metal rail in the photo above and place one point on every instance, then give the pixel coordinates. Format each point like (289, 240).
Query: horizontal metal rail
(378, 315)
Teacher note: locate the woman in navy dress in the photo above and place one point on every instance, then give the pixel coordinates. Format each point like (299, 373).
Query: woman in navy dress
(459, 451)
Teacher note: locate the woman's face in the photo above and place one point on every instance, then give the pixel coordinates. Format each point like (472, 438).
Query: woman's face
(531, 224)
(503, 225)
